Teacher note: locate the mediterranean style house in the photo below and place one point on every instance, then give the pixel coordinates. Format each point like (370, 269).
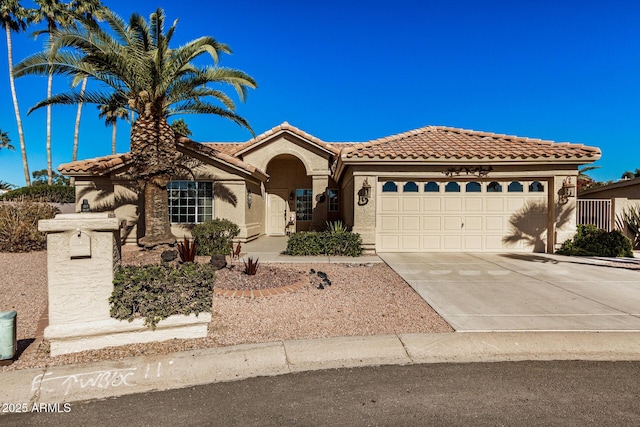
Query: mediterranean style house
(430, 189)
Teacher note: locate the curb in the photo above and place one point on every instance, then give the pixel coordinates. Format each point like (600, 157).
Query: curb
(99, 380)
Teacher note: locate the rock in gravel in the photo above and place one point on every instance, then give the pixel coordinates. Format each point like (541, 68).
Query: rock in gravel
(218, 261)
(322, 274)
(168, 256)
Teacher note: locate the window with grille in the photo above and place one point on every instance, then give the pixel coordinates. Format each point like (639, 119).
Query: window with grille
(304, 204)
(334, 202)
(190, 202)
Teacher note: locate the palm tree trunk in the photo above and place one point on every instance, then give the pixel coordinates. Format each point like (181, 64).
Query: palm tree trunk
(76, 132)
(16, 109)
(49, 162)
(113, 139)
(154, 152)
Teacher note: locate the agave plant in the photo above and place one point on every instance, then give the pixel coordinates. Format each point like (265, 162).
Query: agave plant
(629, 221)
(336, 227)
(251, 266)
(187, 250)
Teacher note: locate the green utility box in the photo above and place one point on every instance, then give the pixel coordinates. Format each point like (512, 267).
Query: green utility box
(8, 335)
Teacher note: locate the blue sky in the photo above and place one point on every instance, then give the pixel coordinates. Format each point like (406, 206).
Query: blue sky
(567, 71)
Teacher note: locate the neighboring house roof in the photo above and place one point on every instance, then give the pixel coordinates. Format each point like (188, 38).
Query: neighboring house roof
(224, 147)
(96, 166)
(284, 128)
(439, 142)
(615, 185)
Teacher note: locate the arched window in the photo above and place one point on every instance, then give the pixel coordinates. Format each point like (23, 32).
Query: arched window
(410, 187)
(515, 187)
(431, 187)
(389, 187)
(452, 187)
(536, 187)
(494, 187)
(473, 187)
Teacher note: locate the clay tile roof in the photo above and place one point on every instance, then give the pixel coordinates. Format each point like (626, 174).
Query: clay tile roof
(223, 147)
(286, 127)
(439, 142)
(96, 166)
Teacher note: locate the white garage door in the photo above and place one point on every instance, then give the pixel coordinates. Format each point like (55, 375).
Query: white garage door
(440, 216)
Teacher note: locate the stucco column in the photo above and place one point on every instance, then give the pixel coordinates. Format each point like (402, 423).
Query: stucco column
(565, 212)
(320, 202)
(364, 212)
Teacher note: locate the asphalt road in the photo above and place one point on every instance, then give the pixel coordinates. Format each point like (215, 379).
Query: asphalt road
(507, 393)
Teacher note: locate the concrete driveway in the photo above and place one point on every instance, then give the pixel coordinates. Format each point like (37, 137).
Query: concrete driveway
(522, 292)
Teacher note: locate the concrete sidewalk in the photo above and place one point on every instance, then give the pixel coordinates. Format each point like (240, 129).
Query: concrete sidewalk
(99, 380)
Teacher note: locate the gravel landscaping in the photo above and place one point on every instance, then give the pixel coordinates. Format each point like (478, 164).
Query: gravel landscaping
(361, 300)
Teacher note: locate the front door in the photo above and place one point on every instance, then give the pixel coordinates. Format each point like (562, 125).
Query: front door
(277, 211)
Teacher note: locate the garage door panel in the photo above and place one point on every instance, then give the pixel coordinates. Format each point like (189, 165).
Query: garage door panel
(495, 204)
(410, 243)
(390, 223)
(390, 243)
(473, 204)
(431, 204)
(473, 223)
(390, 205)
(453, 204)
(411, 224)
(452, 223)
(411, 204)
(432, 223)
(473, 242)
(432, 243)
(494, 223)
(441, 221)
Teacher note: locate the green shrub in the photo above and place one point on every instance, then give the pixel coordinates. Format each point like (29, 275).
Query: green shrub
(19, 226)
(324, 243)
(593, 241)
(42, 193)
(214, 236)
(156, 292)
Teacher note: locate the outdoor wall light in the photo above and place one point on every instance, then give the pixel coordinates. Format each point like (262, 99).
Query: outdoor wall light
(364, 193)
(84, 207)
(567, 190)
(291, 196)
(249, 199)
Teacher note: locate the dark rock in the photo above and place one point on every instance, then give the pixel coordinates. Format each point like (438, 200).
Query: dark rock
(312, 271)
(327, 282)
(170, 255)
(320, 286)
(218, 261)
(322, 274)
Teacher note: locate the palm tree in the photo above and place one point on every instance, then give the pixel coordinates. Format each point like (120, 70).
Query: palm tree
(55, 14)
(89, 10)
(157, 82)
(5, 142)
(14, 18)
(111, 112)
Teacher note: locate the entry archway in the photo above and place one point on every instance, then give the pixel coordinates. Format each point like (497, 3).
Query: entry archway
(288, 195)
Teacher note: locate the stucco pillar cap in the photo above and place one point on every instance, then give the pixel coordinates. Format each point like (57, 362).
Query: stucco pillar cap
(85, 221)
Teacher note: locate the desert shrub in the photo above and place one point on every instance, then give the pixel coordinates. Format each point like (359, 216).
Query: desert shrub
(42, 193)
(251, 266)
(187, 250)
(593, 241)
(155, 292)
(336, 227)
(324, 243)
(19, 226)
(214, 236)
